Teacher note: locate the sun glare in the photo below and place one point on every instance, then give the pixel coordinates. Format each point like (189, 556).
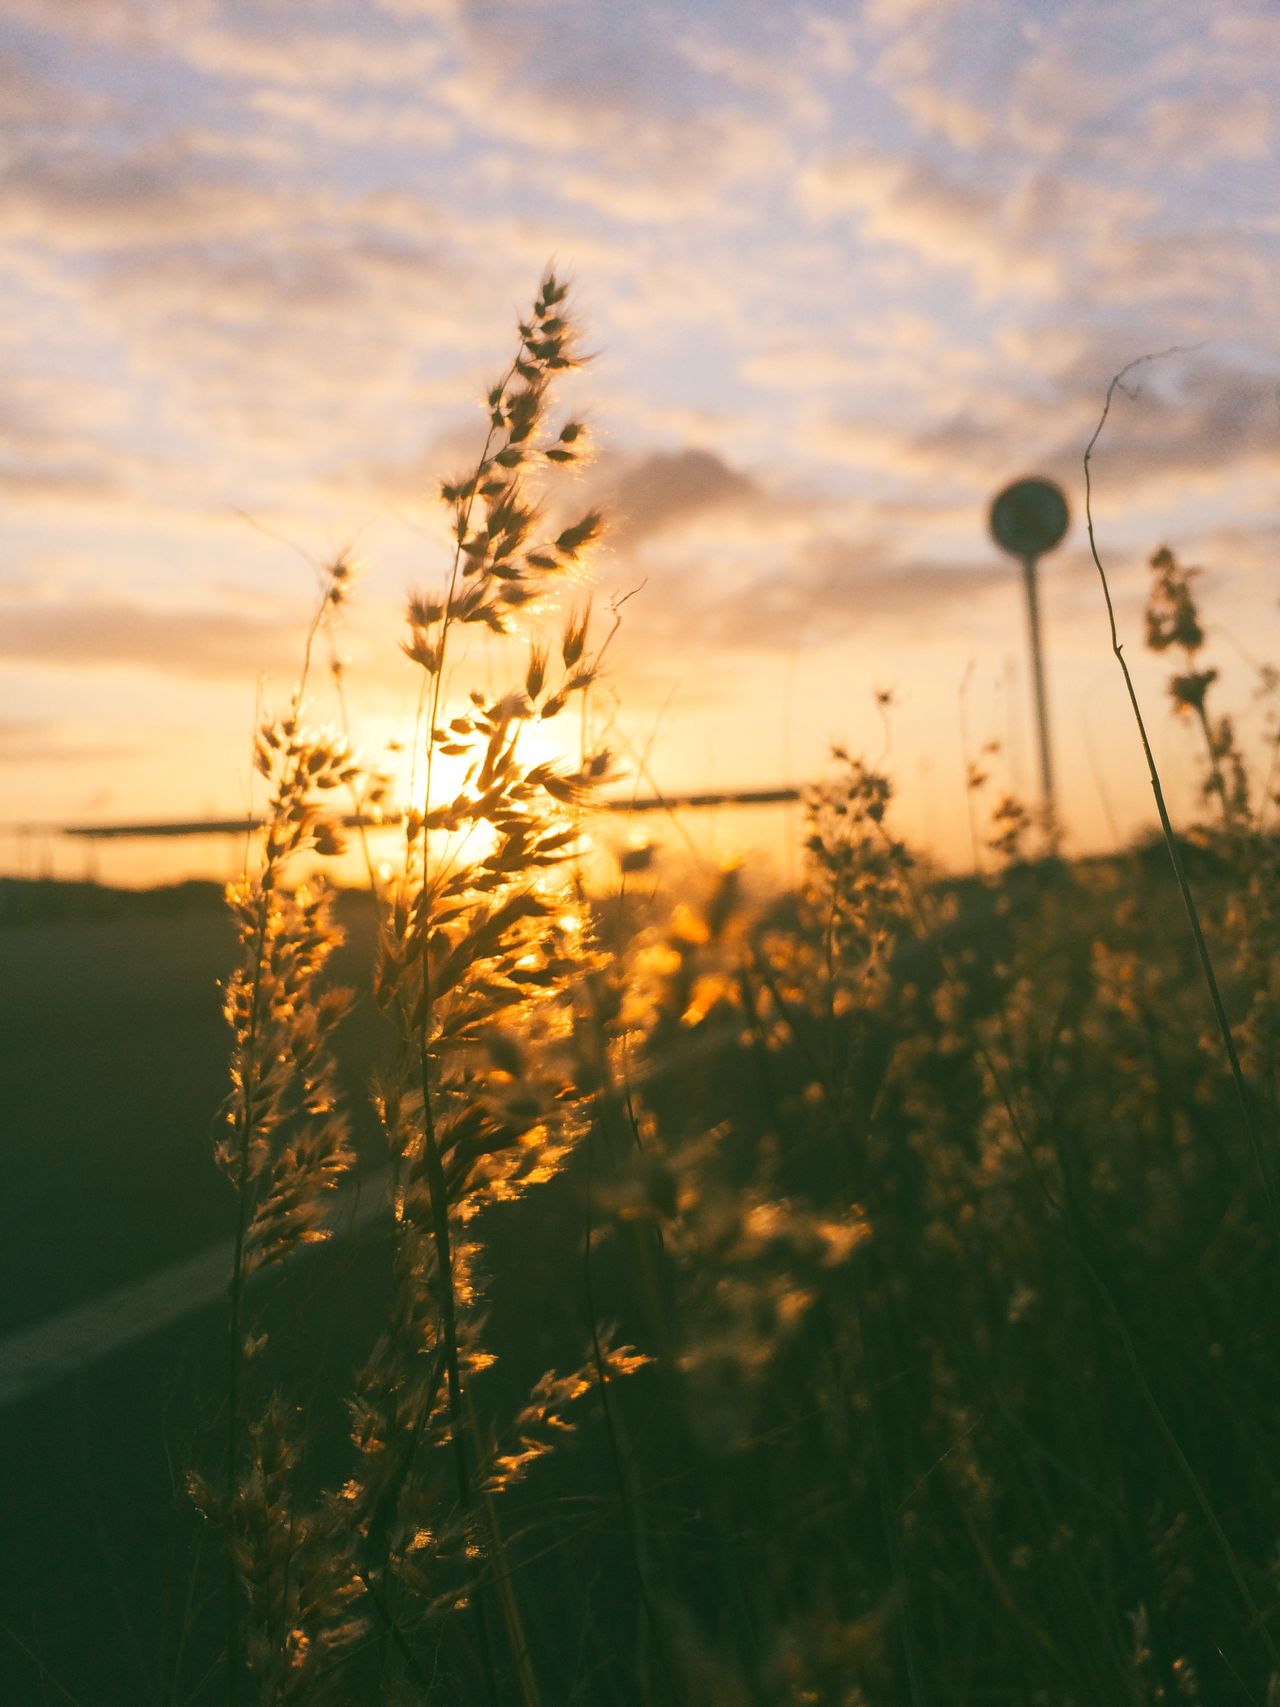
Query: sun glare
(394, 743)
(393, 747)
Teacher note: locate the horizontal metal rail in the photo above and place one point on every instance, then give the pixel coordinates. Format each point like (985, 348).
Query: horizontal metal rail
(357, 820)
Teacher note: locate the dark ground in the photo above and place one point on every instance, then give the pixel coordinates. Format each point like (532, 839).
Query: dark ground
(113, 1062)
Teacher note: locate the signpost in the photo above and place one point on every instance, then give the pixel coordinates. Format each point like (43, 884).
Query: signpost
(1027, 519)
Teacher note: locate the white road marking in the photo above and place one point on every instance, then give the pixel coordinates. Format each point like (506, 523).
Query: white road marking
(36, 1357)
(39, 1356)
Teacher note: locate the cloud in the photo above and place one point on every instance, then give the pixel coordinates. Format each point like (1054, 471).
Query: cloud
(1203, 422)
(843, 587)
(59, 438)
(116, 23)
(44, 742)
(1161, 93)
(336, 122)
(661, 492)
(1240, 126)
(113, 634)
(1041, 234)
(598, 106)
(36, 106)
(282, 333)
(699, 171)
(1188, 420)
(92, 198)
(819, 586)
(940, 217)
(301, 52)
(300, 344)
(781, 80)
(732, 568)
(63, 481)
(918, 61)
(966, 124)
(321, 44)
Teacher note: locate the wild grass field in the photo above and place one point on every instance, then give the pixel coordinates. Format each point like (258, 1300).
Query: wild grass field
(858, 1296)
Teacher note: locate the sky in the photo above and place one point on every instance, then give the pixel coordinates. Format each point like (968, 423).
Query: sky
(844, 271)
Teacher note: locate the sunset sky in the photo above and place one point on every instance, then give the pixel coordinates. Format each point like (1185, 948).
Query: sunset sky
(846, 271)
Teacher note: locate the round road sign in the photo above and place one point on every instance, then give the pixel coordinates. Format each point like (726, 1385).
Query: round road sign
(1029, 517)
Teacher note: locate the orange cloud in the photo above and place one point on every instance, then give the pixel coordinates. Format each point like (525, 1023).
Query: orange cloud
(85, 634)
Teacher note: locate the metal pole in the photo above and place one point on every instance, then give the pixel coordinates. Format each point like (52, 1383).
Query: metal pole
(1037, 668)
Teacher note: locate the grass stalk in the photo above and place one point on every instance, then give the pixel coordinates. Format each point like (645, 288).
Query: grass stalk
(1261, 1160)
(277, 845)
(626, 1500)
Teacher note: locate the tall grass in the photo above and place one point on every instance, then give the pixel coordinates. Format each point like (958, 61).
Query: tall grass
(929, 1203)
(481, 944)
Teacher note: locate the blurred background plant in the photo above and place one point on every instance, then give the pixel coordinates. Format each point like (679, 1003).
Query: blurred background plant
(967, 1373)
